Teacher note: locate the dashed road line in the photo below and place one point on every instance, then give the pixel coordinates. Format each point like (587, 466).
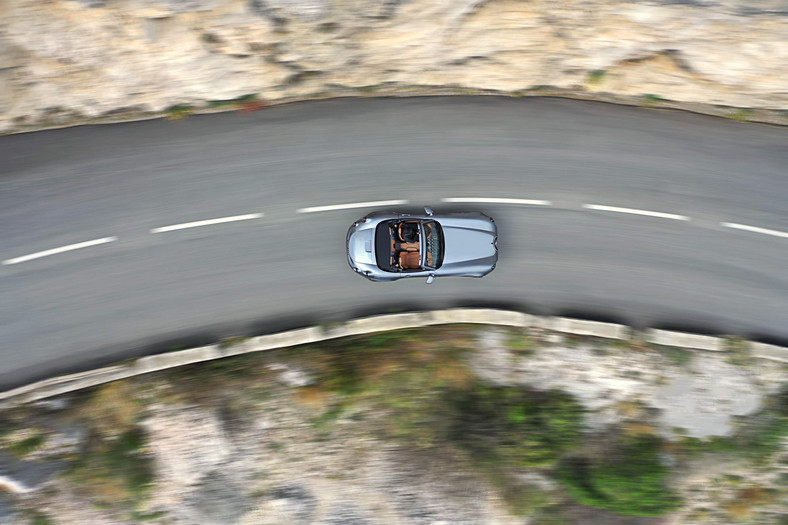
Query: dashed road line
(755, 229)
(208, 222)
(62, 249)
(636, 211)
(315, 209)
(496, 200)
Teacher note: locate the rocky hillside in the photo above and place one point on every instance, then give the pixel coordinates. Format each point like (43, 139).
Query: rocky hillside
(444, 425)
(62, 60)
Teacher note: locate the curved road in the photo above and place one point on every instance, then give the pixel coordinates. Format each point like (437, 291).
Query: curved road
(714, 256)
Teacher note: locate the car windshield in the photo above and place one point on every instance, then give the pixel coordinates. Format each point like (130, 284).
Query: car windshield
(433, 240)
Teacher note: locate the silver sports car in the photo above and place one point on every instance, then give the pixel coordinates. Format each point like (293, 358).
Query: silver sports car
(386, 246)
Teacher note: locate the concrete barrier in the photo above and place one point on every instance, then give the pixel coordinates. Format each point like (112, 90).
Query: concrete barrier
(153, 363)
(685, 340)
(770, 352)
(592, 328)
(368, 325)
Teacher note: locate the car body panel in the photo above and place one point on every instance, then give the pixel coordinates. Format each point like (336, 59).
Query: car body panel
(470, 247)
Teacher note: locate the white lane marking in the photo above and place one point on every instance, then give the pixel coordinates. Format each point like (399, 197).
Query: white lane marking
(635, 211)
(62, 249)
(495, 200)
(776, 233)
(208, 222)
(352, 205)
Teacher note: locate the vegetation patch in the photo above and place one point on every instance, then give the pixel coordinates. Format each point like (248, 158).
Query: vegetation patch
(738, 351)
(632, 481)
(519, 342)
(595, 77)
(759, 437)
(179, 111)
(741, 115)
(114, 472)
(39, 518)
(27, 445)
(677, 356)
(517, 426)
(650, 99)
(415, 391)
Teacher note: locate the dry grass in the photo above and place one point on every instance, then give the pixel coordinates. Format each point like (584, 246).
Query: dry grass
(639, 429)
(380, 368)
(742, 507)
(755, 495)
(455, 375)
(313, 397)
(630, 409)
(113, 408)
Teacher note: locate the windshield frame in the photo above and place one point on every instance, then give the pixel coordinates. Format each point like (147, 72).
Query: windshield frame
(441, 250)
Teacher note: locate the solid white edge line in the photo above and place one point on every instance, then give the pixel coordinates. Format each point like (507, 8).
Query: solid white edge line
(496, 200)
(635, 211)
(314, 209)
(755, 229)
(62, 249)
(207, 222)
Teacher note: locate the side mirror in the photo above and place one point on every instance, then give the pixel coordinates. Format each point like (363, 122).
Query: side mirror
(431, 278)
(429, 211)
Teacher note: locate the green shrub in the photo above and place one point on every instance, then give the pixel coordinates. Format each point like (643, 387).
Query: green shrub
(763, 437)
(741, 115)
(232, 102)
(677, 356)
(517, 426)
(633, 482)
(596, 77)
(520, 343)
(114, 471)
(179, 111)
(28, 445)
(652, 99)
(39, 518)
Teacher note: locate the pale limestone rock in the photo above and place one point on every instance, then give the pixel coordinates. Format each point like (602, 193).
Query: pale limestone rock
(187, 444)
(92, 57)
(702, 397)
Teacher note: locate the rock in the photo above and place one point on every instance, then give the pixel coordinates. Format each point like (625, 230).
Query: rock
(55, 404)
(218, 500)
(704, 399)
(93, 57)
(187, 443)
(64, 439)
(19, 476)
(285, 9)
(292, 377)
(8, 513)
(345, 515)
(293, 504)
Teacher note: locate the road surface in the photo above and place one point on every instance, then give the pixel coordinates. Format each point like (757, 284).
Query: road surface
(653, 218)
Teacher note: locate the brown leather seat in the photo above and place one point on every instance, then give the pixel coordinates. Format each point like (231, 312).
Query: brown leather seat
(407, 247)
(409, 260)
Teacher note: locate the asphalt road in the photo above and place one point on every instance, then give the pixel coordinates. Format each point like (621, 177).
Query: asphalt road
(152, 291)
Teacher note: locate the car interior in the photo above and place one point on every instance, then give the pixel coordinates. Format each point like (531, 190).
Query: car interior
(405, 246)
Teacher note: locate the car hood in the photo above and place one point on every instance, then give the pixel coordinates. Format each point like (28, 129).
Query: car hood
(360, 246)
(468, 245)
